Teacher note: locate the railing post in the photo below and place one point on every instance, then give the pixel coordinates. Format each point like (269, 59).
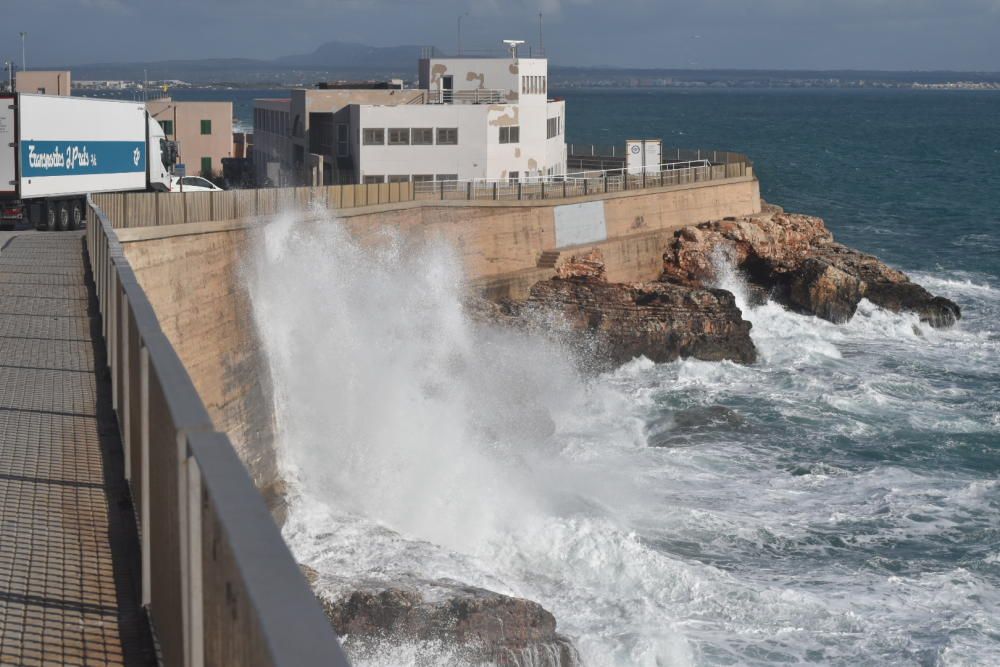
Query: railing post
(543, 190)
(519, 191)
(144, 474)
(496, 190)
(585, 180)
(564, 188)
(126, 418)
(468, 191)
(605, 182)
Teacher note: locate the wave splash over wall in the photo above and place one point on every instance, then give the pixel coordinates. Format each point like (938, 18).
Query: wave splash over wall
(801, 509)
(417, 444)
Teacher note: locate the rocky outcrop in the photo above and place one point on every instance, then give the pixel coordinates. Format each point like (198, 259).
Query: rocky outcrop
(478, 626)
(795, 258)
(660, 321)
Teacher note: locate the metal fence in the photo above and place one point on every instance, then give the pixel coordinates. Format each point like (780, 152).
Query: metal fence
(146, 209)
(595, 156)
(579, 184)
(220, 585)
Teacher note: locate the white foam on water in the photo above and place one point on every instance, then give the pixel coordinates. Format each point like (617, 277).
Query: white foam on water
(421, 446)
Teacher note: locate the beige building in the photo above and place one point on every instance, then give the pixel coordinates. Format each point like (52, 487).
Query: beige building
(43, 82)
(203, 132)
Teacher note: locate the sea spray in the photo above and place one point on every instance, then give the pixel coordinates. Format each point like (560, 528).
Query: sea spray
(816, 527)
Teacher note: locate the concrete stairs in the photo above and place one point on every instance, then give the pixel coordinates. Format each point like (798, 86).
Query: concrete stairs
(548, 259)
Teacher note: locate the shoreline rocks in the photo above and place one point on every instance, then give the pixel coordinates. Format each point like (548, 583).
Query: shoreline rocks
(660, 321)
(474, 625)
(795, 258)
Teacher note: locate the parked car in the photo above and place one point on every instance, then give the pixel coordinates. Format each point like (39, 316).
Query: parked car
(193, 184)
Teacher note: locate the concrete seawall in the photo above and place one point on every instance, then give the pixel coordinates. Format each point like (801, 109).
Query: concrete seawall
(191, 274)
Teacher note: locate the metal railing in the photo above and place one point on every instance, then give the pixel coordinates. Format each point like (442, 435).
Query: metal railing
(580, 184)
(218, 581)
(474, 96)
(147, 209)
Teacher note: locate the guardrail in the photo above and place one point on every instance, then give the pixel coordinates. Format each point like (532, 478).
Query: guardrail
(218, 581)
(579, 184)
(475, 96)
(145, 209)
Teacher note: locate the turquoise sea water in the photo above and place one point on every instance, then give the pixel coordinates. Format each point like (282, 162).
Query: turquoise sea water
(838, 502)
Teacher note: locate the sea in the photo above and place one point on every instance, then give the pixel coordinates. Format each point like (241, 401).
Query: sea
(835, 503)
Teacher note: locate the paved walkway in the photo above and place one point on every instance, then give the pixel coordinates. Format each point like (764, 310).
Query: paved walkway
(69, 569)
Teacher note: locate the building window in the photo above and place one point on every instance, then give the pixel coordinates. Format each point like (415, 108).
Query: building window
(554, 127)
(422, 136)
(343, 141)
(423, 178)
(399, 178)
(399, 136)
(374, 136)
(510, 135)
(447, 177)
(514, 177)
(206, 166)
(447, 136)
(206, 127)
(374, 179)
(168, 127)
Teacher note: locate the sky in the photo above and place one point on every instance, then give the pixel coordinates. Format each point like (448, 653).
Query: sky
(745, 34)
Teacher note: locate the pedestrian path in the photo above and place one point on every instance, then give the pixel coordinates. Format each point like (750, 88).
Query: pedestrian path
(69, 566)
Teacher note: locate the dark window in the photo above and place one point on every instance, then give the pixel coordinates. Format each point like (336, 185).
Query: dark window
(206, 166)
(510, 135)
(343, 141)
(400, 178)
(422, 136)
(514, 177)
(447, 136)
(206, 127)
(399, 136)
(374, 179)
(423, 178)
(553, 127)
(374, 136)
(168, 126)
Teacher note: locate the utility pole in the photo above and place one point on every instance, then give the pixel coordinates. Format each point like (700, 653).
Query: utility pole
(541, 44)
(24, 61)
(460, 17)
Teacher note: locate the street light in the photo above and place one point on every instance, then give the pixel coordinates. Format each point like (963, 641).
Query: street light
(24, 62)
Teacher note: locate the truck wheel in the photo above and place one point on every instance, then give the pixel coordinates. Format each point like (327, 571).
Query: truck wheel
(76, 216)
(50, 216)
(63, 214)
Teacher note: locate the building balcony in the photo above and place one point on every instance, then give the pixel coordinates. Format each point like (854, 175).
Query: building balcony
(475, 96)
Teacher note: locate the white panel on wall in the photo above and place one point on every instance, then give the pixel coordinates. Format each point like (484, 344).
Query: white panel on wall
(577, 224)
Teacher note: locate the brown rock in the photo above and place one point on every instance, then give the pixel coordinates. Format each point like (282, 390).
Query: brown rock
(660, 321)
(588, 266)
(795, 258)
(484, 627)
(825, 290)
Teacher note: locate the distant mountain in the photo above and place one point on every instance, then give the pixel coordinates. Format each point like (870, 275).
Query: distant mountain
(355, 56)
(331, 60)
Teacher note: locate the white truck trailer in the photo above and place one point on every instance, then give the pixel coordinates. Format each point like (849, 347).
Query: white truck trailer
(56, 150)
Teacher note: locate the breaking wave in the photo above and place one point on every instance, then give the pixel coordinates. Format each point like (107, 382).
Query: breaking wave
(834, 503)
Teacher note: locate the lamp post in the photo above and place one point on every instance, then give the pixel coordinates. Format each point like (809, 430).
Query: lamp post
(24, 62)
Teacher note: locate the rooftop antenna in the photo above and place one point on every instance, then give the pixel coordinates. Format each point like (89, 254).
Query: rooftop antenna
(512, 44)
(24, 61)
(460, 17)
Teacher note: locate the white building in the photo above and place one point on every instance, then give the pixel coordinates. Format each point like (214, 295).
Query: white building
(470, 118)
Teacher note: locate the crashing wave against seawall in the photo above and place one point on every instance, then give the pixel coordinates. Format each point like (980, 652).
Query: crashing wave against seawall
(421, 447)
